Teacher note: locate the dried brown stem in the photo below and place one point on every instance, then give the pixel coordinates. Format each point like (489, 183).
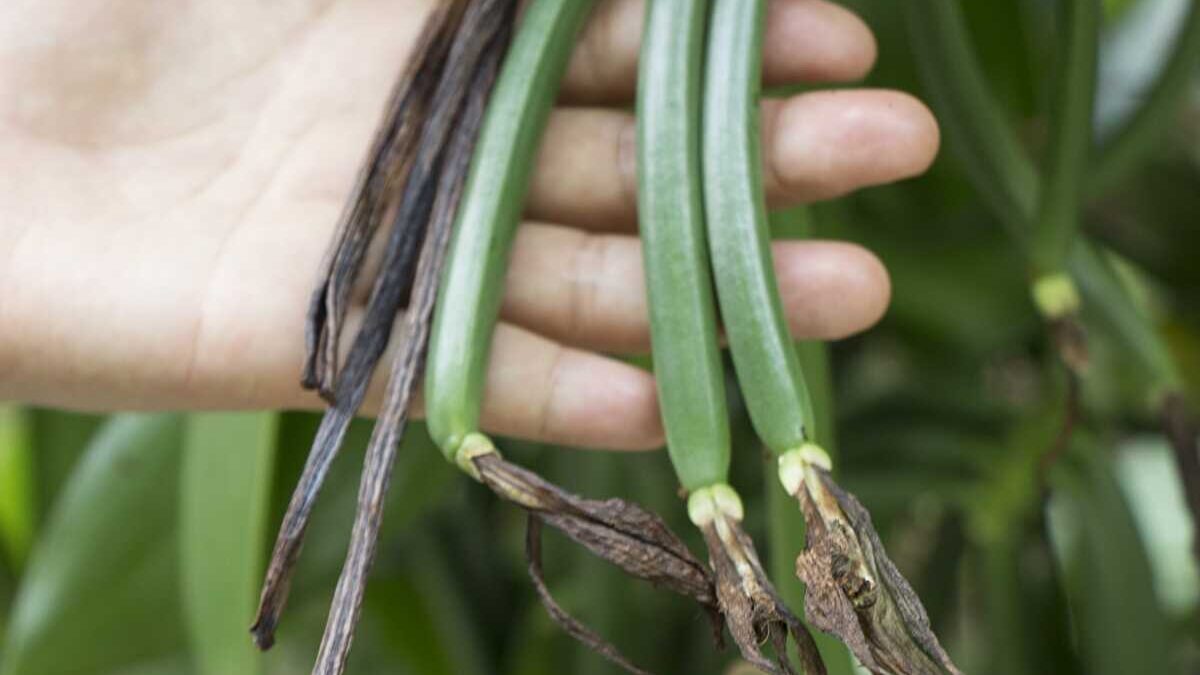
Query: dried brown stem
(628, 536)
(1070, 340)
(753, 610)
(856, 593)
(571, 625)
(1062, 440)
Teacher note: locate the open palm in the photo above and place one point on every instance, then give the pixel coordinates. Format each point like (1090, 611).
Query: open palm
(171, 172)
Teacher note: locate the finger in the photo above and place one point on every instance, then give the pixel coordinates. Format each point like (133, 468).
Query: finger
(816, 146)
(536, 389)
(805, 41)
(539, 390)
(588, 290)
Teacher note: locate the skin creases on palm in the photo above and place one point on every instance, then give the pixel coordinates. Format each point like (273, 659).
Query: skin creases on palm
(183, 155)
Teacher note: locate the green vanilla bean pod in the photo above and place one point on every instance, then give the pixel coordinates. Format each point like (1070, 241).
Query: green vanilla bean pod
(465, 316)
(473, 283)
(738, 233)
(687, 362)
(853, 590)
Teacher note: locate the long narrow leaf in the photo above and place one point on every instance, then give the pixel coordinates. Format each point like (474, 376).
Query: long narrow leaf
(1121, 626)
(59, 441)
(224, 502)
(17, 512)
(102, 588)
(425, 616)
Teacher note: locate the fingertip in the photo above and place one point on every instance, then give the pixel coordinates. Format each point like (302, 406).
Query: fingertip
(927, 130)
(830, 290)
(826, 144)
(604, 403)
(604, 65)
(816, 41)
(539, 390)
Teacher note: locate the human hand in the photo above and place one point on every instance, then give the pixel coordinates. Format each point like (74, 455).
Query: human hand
(172, 173)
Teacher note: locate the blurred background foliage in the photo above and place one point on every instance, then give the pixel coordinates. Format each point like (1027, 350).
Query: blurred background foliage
(134, 544)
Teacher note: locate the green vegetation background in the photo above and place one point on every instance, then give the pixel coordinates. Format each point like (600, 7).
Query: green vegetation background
(134, 544)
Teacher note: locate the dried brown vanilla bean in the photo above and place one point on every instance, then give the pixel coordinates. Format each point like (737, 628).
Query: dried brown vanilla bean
(390, 427)
(386, 168)
(853, 590)
(480, 26)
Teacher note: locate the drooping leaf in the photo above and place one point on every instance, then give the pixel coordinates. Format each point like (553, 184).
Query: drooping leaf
(17, 513)
(1149, 480)
(1023, 610)
(224, 502)
(1121, 626)
(59, 440)
(424, 618)
(102, 588)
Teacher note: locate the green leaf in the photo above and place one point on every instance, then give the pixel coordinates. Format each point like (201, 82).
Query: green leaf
(1024, 612)
(175, 665)
(973, 120)
(226, 488)
(1142, 132)
(16, 488)
(59, 440)
(102, 590)
(1121, 626)
(1149, 479)
(1070, 135)
(424, 618)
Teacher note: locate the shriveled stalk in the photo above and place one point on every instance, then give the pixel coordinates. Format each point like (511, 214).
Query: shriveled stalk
(466, 314)
(393, 417)
(853, 589)
(383, 175)
(412, 161)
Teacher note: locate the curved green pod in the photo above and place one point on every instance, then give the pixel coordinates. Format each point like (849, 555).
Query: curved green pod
(738, 234)
(687, 360)
(473, 284)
